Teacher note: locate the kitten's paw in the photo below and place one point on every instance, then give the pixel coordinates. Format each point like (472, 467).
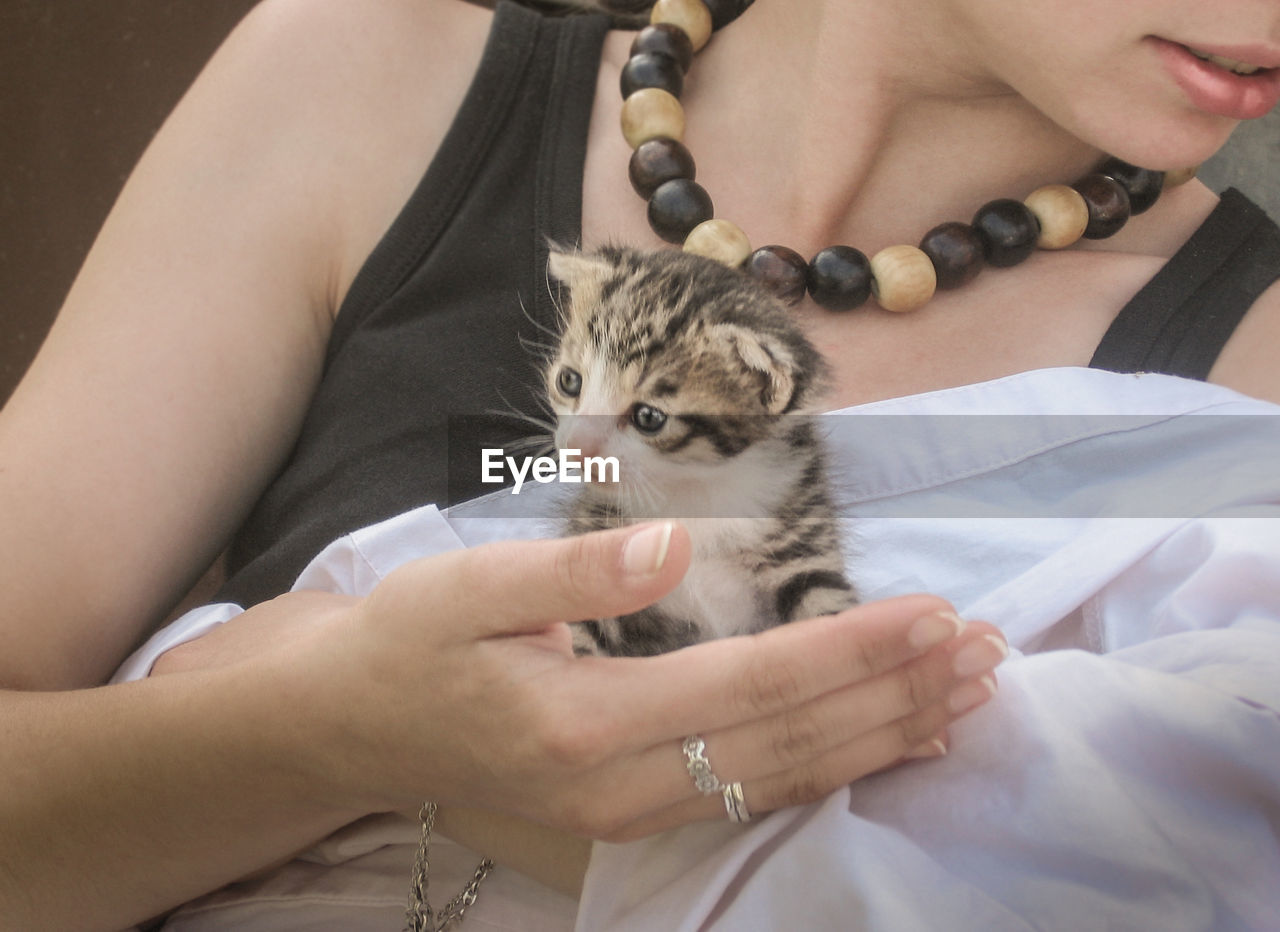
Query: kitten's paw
(821, 599)
(584, 641)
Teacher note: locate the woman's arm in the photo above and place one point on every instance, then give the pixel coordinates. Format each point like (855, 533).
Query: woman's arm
(167, 393)
(170, 384)
(1247, 363)
(119, 802)
(176, 376)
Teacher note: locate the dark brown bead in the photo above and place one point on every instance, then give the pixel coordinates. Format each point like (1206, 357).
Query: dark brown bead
(678, 206)
(1008, 231)
(839, 278)
(724, 12)
(1108, 204)
(956, 251)
(649, 69)
(658, 161)
(664, 39)
(1141, 184)
(783, 271)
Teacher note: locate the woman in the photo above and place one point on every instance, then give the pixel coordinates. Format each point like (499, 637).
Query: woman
(242, 312)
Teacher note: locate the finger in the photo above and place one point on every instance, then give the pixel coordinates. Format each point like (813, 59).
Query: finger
(523, 586)
(723, 683)
(798, 736)
(868, 753)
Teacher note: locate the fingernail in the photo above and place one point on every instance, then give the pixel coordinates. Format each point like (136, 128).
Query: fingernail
(972, 694)
(934, 747)
(979, 655)
(646, 550)
(934, 629)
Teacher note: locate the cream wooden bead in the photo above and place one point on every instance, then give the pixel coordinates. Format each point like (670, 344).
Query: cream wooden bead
(902, 278)
(690, 15)
(720, 240)
(1061, 213)
(1180, 176)
(649, 113)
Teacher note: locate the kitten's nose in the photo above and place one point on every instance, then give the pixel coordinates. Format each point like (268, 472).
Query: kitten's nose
(585, 433)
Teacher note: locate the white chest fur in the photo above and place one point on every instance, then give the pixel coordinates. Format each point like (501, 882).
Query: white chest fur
(719, 592)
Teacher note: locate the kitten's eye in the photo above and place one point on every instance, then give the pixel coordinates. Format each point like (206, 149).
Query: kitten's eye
(569, 382)
(648, 420)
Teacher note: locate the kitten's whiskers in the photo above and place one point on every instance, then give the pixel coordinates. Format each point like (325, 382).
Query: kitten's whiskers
(553, 334)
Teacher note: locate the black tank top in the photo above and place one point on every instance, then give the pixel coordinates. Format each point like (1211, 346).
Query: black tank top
(1179, 322)
(437, 337)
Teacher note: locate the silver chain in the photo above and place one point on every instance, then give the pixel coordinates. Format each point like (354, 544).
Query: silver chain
(420, 917)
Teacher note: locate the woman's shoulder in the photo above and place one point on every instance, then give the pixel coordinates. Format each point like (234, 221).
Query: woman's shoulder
(1248, 361)
(1232, 258)
(339, 53)
(360, 94)
(400, 26)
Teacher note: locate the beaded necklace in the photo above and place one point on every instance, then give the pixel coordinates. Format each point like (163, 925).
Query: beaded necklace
(1002, 233)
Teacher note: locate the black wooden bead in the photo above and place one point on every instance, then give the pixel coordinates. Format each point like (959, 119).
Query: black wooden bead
(839, 278)
(1008, 231)
(783, 271)
(678, 206)
(725, 11)
(1141, 184)
(664, 39)
(658, 161)
(1108, 204)
(956, 251)
(649, 69)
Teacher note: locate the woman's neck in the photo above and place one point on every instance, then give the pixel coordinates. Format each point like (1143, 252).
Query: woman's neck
(812, 124)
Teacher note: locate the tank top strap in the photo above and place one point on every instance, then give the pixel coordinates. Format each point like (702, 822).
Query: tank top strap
(1179, 322)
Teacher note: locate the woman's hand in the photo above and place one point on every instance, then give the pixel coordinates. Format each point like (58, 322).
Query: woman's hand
(262, 627)
(454, 681)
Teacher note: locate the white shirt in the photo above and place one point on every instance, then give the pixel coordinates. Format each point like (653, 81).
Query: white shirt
(1122, 531)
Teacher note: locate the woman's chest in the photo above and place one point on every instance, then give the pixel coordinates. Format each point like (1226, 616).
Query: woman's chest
(1051, 312)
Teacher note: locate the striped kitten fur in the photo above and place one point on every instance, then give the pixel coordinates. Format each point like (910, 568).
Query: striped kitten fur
(700, 384)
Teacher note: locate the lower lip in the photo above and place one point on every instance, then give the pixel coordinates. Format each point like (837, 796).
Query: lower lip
(1218, 91)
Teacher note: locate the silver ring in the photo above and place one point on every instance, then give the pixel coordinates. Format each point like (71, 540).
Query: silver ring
(735, 805)
(699, 767)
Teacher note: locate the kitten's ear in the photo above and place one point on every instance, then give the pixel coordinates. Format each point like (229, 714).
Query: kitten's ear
(771, 358)
(581, 273)
(574, 269)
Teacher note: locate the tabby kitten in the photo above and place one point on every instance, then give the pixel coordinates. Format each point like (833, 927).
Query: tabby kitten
(699, 383)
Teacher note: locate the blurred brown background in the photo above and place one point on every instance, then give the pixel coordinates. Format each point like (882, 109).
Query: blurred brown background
(85, 83)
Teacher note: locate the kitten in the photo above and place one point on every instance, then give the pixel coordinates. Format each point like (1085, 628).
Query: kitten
(699, 383)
